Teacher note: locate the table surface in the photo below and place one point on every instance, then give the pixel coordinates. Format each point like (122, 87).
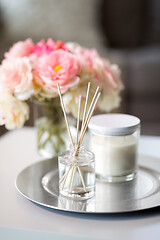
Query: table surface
(17, 150)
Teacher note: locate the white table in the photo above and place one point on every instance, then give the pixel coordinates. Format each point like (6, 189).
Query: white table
(17, 150)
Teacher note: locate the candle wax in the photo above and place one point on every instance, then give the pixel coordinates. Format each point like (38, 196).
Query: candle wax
(114, 156)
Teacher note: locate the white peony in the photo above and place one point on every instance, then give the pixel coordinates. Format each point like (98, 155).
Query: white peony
(108, 102)
(13, 112)
(16, 77)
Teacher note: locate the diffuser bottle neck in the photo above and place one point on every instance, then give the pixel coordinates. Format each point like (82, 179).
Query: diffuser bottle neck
(77, 151)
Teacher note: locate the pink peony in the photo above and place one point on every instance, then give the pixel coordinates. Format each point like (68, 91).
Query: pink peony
(93, 64)
(16, 77)
(58, 67)
(106, 73)
(20, 49)
(43, 48)
(85, 56)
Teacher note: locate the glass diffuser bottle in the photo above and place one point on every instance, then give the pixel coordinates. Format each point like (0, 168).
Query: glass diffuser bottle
(77, 174)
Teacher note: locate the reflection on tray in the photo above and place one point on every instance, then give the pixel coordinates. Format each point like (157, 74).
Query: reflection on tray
(78, 206)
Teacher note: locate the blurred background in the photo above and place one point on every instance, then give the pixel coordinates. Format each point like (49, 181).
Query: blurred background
(126, 32)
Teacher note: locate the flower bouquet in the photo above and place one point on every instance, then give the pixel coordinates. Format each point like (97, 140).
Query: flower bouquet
(31, 72)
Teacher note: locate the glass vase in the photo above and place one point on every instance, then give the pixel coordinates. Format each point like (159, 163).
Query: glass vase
(51, 131)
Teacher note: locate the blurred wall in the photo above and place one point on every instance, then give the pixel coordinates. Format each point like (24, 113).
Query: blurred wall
(132, 30)
(67, 20)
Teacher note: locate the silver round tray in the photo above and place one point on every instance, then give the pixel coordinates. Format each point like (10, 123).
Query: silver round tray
(39, 183)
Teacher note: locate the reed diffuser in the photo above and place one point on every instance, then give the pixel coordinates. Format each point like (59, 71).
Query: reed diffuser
(77, 165)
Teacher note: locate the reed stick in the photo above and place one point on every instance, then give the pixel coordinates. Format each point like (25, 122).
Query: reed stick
(70, 180)
(65, 115)
(66, 173)
(91, 105)
(80, 173)
(78, 119)
(86, 102)
(73, 176)
(66, 176)
(75, 167)
(88, 120)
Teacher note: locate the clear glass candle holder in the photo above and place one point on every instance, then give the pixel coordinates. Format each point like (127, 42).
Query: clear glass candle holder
(114, 141)
(77, 174)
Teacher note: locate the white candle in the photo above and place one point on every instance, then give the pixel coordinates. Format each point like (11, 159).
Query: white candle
(114, 141)
(115, 156)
